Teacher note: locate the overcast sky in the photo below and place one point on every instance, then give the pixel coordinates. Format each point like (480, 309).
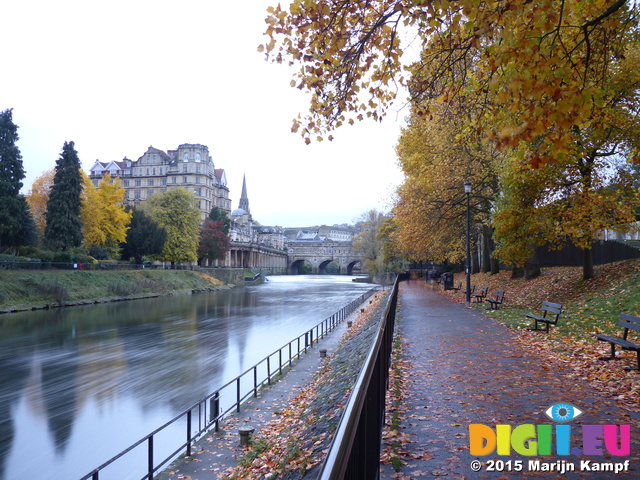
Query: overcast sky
(116, 77)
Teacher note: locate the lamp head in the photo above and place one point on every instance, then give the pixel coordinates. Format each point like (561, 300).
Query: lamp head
(467, 187)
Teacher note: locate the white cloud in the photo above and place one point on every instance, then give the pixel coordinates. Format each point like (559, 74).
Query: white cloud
(117, 77)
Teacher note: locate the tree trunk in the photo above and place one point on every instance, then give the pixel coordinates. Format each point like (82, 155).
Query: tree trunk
(486, 248)
(475, 261)
(532, 266)
(495, 266)
(587, 264)
(517, 272)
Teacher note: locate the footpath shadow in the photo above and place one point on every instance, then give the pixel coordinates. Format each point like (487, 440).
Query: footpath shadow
(464, 368)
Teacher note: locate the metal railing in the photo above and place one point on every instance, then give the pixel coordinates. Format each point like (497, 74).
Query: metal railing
(208, 412)
(355, 449)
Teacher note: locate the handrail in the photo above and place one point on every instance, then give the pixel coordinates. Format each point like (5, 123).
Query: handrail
(208, 410)
(355, 449)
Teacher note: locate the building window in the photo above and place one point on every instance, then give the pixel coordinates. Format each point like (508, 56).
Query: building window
(138, 182)
(197, 179)
(197, 168)
(147, 170)
(173, 180)
(163, 181)
(184, 179)
(136, 194)
(150, 182)
(184, 169)
(149, 193)
(197, 157)
(154, 170)
(125, 183)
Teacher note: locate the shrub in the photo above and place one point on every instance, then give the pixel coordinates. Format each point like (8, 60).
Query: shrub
(98, 253)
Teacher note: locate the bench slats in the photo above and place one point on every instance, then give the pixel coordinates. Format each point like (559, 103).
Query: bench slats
(547, 307)
(626, 322)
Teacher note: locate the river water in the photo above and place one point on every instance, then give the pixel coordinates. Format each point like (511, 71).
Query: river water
(78, 385)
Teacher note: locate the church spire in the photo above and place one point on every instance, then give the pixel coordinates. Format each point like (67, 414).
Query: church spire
(244, 199)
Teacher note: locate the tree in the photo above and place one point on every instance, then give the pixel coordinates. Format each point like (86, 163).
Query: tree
(369, 244)
(577, 197)
(217, 214)
(26, 235)
(430, 210)
(214, 242)
(38, 197)
(144, 237)
(103, 214)
(63, 228)
(11, 176)
(175, 210)
(535, 69)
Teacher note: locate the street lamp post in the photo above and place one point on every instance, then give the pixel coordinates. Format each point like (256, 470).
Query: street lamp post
(467, 191)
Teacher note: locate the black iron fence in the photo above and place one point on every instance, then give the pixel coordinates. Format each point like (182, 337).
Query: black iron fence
(9, 265)
(208, 412)
(355, 450)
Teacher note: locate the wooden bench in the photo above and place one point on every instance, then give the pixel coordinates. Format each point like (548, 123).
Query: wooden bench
(548, 308)
(494, 303)
(627, 322)
(480, 296)
(471, 290)
(459, 287)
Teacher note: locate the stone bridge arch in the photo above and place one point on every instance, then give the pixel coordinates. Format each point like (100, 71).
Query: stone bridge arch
(319, 254)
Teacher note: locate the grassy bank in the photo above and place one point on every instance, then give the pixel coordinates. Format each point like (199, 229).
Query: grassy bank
(22, 289)
(591, 306)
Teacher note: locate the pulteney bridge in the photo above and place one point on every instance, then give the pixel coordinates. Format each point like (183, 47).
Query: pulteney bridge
(319, 254)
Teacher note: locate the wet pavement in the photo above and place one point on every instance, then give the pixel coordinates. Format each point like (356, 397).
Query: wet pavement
(464, 368)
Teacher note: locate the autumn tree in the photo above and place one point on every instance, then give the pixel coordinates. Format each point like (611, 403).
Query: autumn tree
(369, 244)
(430, 209)
(104, 216)
(144, 237)
(214, 242)
(582, 193)
(38, 196)
(535, 68)
(63, 228)
(175, 211)
(12, 173)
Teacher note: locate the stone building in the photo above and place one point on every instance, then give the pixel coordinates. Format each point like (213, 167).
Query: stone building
(190, 166)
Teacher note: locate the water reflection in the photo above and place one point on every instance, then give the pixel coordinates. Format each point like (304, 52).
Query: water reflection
(80, 384)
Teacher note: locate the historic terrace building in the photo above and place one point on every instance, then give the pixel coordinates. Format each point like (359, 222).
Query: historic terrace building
(190, 166)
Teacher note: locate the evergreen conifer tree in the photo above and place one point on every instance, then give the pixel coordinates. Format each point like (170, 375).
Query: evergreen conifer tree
(11, 175)
(64, 227)
(144, 237)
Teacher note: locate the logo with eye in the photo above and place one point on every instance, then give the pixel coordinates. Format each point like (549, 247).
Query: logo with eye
(563, 412)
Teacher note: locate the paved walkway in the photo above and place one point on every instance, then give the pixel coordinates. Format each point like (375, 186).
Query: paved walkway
(465, 369)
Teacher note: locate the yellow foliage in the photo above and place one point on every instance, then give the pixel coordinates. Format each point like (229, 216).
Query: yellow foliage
(38, 197)
(103, 214)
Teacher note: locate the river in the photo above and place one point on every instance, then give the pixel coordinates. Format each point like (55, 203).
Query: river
(78, 385)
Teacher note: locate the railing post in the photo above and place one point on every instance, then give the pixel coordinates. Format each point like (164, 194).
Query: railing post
(238, 394)
(280, 361)
(214, 407)
(150, 458)
(255, 381)
(269, 370)
(189, 433)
